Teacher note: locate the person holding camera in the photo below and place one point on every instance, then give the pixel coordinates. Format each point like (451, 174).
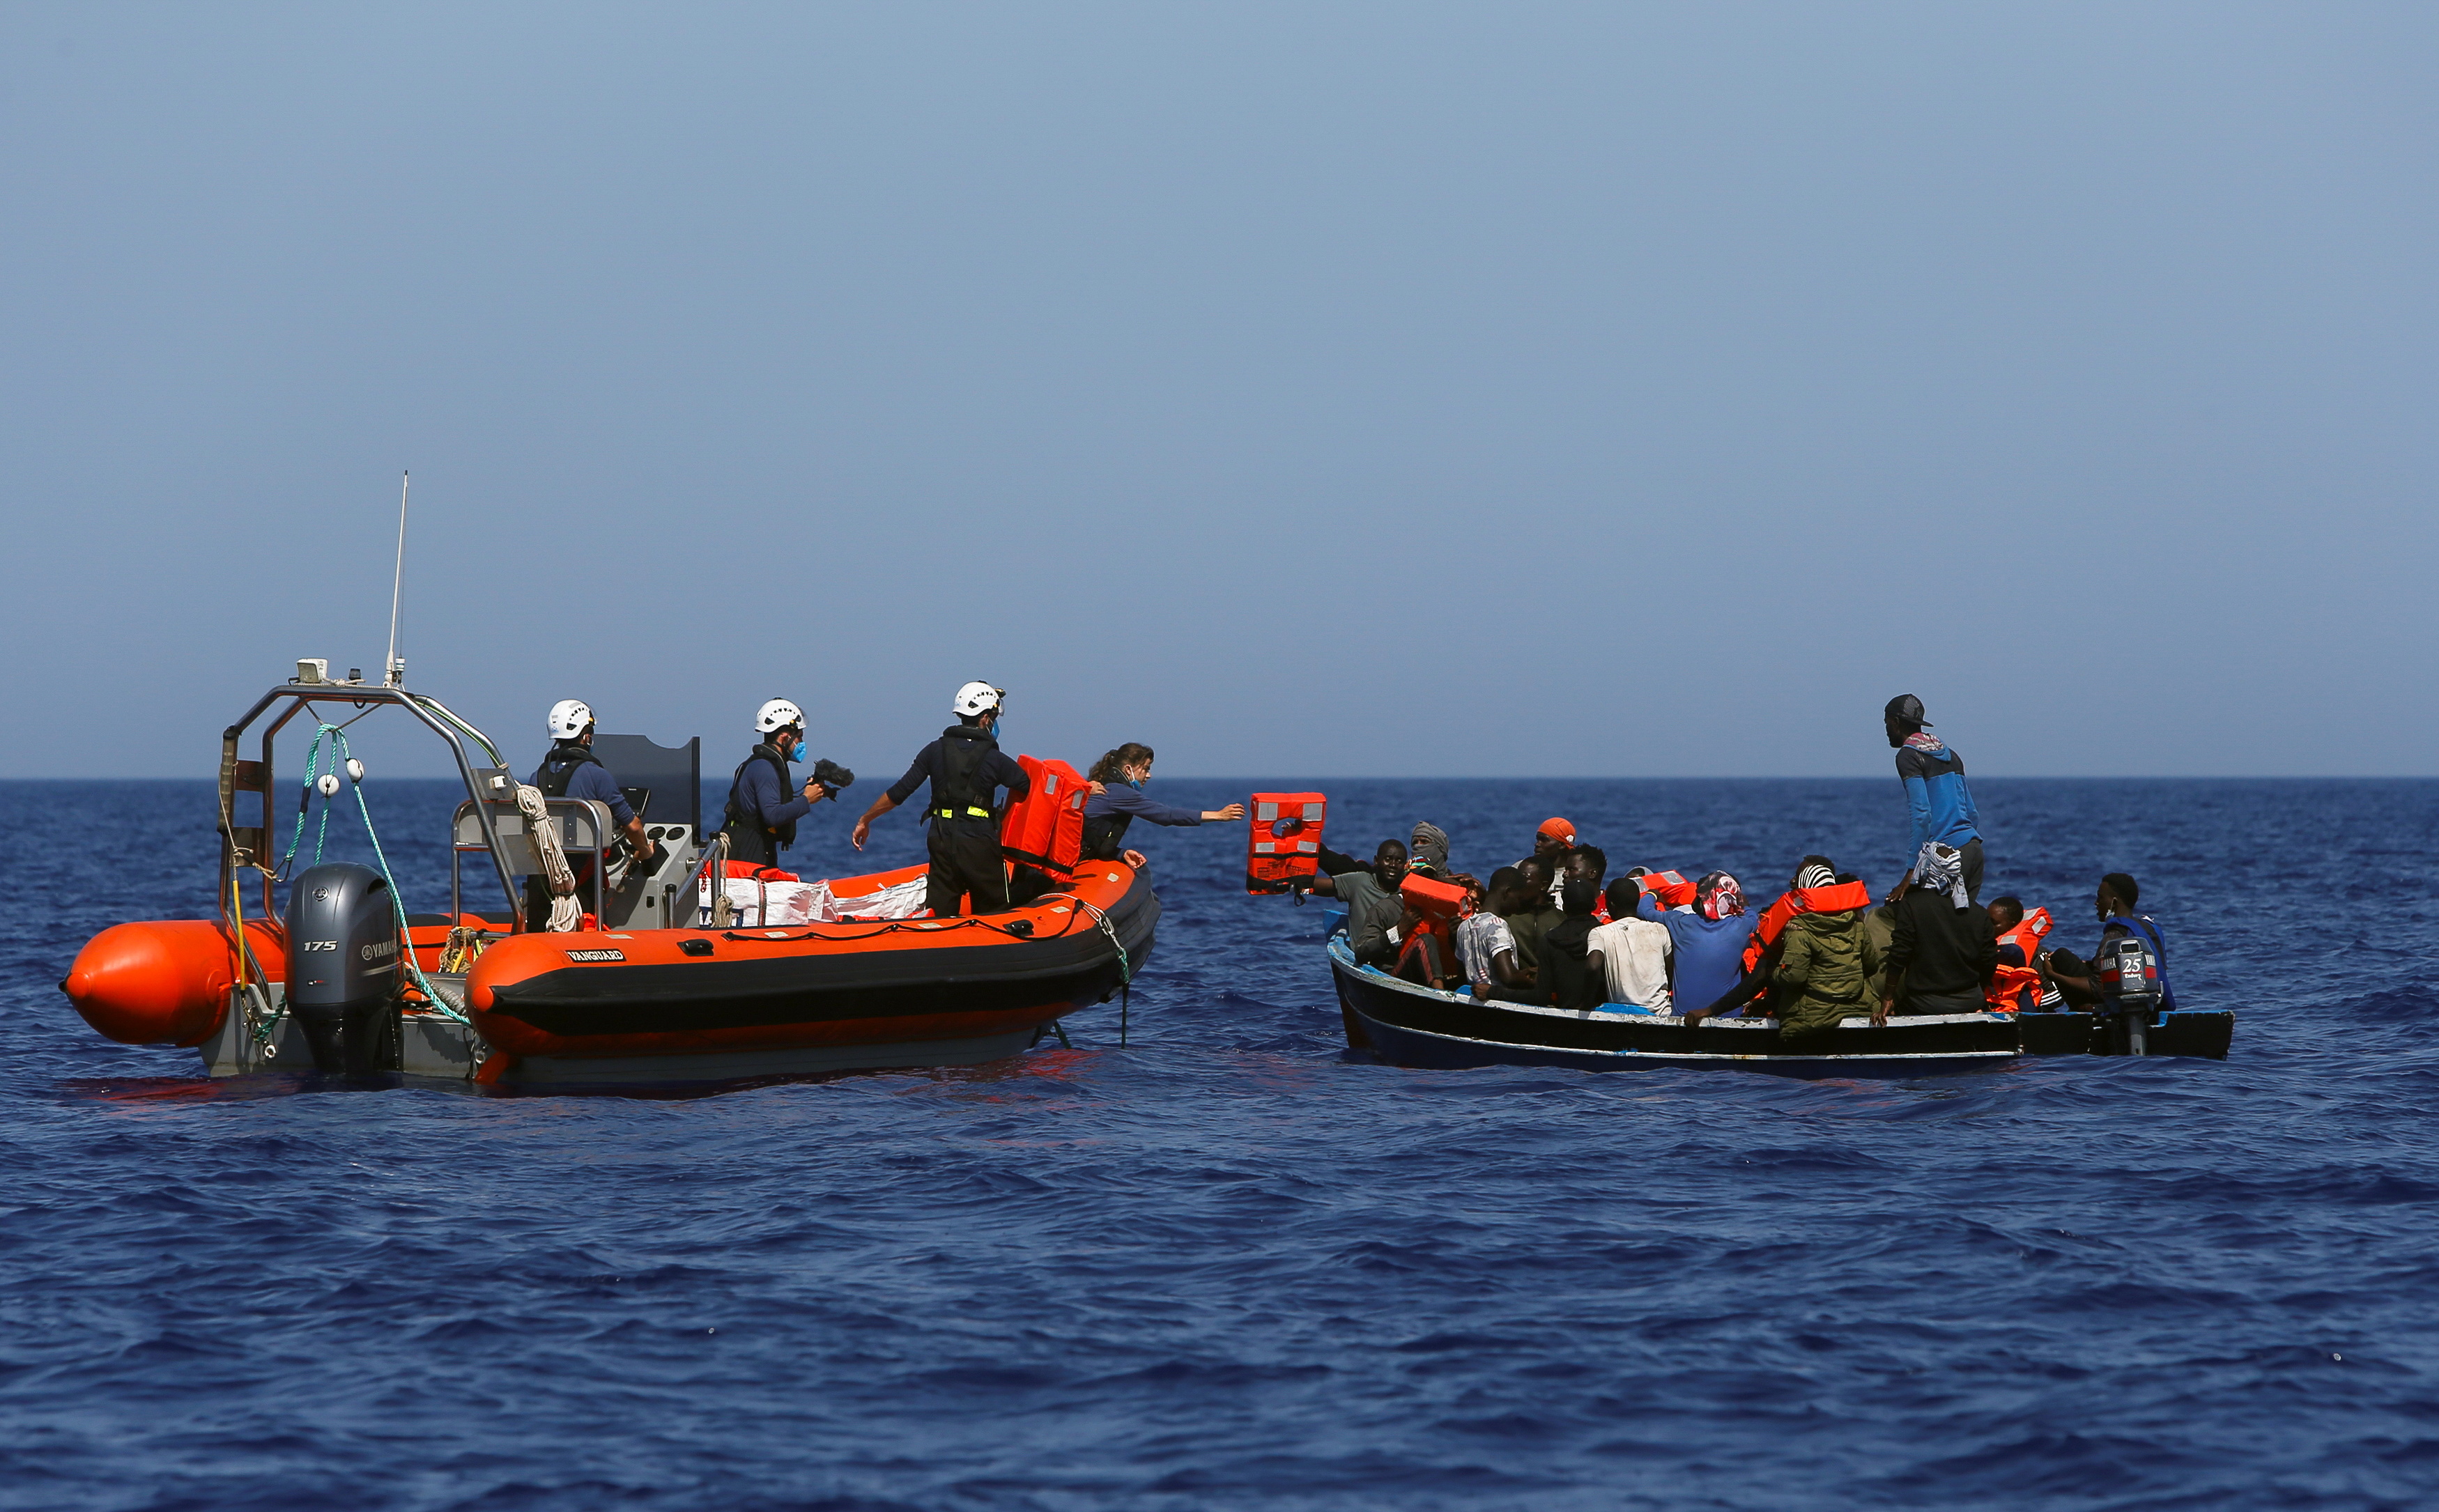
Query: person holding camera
(761, 815)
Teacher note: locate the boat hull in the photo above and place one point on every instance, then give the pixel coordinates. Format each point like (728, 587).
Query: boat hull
(1412, 1025)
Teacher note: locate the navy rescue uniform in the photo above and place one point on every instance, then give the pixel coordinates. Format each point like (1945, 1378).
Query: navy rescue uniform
(572, 771)
(764, 803)
(964, 766)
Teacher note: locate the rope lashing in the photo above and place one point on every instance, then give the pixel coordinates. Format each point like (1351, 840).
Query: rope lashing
(565, 911)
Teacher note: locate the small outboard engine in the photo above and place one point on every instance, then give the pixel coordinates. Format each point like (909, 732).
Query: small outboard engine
(343, 968)
(2130, 979)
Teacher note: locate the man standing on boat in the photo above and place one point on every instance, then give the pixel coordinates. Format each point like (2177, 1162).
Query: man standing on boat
(572, 771)
(762, 814)
(1937, 801)
(964, 766)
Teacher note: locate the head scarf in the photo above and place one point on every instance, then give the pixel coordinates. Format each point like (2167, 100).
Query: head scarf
(1941, 868)
(1429, 846)
(1557, 829)
(1814, 876)
(1719, 896)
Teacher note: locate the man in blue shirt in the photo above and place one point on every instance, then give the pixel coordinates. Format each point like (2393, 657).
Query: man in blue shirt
(965, 768)
(1706, 941)
(2115, 904)
(572, 771)
(763, 801)
(1937, 800)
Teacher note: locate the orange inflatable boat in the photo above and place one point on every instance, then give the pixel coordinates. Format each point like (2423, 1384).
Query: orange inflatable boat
(663, 981)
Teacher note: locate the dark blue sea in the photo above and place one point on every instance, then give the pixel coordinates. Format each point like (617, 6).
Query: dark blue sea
(1232, 1264)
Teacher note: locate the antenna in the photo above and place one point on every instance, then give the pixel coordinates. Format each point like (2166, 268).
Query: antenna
(396, 673)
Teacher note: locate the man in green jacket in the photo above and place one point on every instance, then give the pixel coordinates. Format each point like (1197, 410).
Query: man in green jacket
(1829, 969)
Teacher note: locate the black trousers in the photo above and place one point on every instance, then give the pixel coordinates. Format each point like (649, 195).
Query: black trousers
(966, 859)
(1970, 863)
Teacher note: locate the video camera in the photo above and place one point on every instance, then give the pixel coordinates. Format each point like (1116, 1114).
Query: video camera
(831, 775)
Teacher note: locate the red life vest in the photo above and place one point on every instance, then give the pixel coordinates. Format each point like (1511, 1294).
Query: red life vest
(1440, 905)
(1837, 898)
(1671, 888)
(1283, 842)
(2015, 988)
(1044, 829)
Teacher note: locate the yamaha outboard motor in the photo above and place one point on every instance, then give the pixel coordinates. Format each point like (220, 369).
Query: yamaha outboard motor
(343, 968)
(2130, 979)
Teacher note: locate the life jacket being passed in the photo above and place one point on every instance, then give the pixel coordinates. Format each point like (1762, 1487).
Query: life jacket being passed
(1439, 905)
(1837, 898)
(1283, 844)
(2017, 988)
(1044, 829)
(1671, 888)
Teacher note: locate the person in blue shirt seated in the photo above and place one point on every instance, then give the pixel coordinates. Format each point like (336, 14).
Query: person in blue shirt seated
(1938, 804)
(2115, 904)
(1118, 801)
(572, 771)
(1706, 941)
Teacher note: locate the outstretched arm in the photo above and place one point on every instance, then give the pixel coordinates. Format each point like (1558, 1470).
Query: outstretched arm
(864, 825)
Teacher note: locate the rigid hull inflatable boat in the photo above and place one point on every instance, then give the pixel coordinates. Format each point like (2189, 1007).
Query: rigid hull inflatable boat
(665, 980)
(1410, 1024)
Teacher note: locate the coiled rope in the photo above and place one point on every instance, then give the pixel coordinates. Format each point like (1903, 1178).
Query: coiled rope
(565, 911)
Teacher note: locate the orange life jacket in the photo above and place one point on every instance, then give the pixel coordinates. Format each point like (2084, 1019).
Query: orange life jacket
(2014, 988)
(1283, 844)
(1837, 898)
(1044, 829)
(1671, 888)
(1440, 905)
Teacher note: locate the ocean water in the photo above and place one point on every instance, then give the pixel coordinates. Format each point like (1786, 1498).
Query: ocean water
(1232, 1264)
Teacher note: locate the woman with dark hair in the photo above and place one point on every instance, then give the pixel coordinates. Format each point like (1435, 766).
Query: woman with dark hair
(1119, 801)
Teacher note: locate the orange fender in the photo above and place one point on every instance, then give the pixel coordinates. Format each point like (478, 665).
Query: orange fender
(165, 981)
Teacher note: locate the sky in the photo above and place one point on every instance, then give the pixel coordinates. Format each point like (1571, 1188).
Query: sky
(1304, 390)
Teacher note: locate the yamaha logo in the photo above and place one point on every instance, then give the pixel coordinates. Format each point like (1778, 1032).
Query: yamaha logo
(374, 953)
(321, 895)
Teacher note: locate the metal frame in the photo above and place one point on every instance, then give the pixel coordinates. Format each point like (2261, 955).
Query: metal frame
(301, 696)
(605, 835)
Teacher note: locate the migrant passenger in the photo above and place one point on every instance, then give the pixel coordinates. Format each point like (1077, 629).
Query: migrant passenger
(570, 769)
(1487, 951)
(964, 767)
(1571, 977)
(2114, 904)
(1943, 949)
(1707, 941)
(2016, 986)
(1829, 966)
(1759, 975)
(1551, 843)
(1374, 910)
(1118, 801)
(1633, 953)
(761, 816)
(1937, 801)
(1533, 914)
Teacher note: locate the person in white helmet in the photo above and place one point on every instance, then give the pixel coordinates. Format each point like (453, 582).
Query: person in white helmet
(572, 771)
(761, 813)
(964, 766)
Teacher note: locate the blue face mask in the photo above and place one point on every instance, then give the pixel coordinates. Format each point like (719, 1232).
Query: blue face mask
(796, 751)
(1135, 783)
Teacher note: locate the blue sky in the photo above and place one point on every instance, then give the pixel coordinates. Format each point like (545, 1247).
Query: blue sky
(1329, 391)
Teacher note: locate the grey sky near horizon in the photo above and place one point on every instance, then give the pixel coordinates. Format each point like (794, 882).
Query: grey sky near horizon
(1392, 390)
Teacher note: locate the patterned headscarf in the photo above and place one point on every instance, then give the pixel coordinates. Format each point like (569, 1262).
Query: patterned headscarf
(1430, 847)
(1719, 896)
(1941, 868)
(1814, 876)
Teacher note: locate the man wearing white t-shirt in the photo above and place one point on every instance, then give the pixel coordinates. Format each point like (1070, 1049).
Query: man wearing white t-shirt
(1633, 952)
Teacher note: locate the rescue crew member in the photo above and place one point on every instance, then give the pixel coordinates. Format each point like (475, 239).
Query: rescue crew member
(2115, 904)
(761, 816)
(963, 766)
(1119, 800)
(1937, 800)
(572, 771)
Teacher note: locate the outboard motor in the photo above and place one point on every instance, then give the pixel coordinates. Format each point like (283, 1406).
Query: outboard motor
(343, 968)
(2130, 979)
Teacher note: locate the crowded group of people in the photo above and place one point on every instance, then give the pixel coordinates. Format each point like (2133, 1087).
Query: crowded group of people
(1553, 929)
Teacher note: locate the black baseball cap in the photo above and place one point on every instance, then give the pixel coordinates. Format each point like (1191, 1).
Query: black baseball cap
(1906, 709)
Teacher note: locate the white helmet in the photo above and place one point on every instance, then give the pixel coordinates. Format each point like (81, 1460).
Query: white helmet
(568, 718)
(777, 715)
(976, 698)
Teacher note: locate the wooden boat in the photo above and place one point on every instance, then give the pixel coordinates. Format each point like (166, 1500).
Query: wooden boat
(655, 986)
(1408, 1024)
